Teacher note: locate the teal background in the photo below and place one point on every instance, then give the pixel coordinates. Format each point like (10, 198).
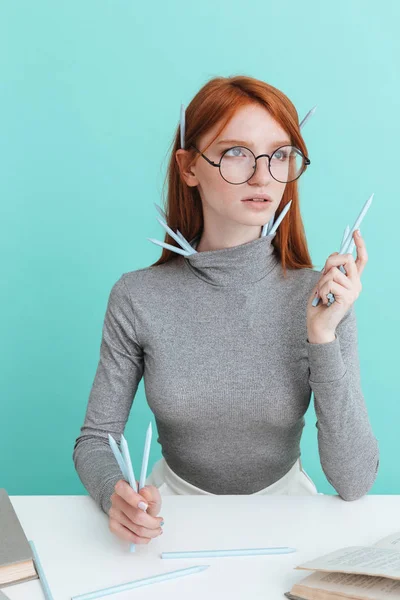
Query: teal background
(89, 102)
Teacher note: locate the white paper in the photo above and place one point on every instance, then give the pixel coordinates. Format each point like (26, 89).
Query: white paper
(369, 560)
(391, 541)
(357, 586)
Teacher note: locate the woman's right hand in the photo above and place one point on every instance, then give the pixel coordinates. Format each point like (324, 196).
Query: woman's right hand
(128, 520)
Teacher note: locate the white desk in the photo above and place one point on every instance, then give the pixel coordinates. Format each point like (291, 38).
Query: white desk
(79, 554)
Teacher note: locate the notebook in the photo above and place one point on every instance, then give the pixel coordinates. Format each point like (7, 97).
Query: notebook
(16, 559)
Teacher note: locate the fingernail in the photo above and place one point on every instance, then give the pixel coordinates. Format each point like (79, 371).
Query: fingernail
(162, 523)
(143, 506)
(359, 232)
(161, 531)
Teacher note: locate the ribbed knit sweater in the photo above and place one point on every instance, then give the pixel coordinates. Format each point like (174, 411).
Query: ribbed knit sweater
(220, 338)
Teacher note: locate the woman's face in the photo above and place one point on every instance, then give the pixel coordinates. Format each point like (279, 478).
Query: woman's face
(251, 126)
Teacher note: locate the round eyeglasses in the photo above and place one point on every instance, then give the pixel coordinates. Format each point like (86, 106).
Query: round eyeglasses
(238, 164)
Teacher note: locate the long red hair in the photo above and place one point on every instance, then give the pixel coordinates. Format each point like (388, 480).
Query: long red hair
(216, 102)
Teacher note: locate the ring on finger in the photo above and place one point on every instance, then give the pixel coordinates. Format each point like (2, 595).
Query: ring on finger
(331, 298)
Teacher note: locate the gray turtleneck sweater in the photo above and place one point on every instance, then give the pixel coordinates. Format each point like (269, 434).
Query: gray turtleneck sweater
(220, 338)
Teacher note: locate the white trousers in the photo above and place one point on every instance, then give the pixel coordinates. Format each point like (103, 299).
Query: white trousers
(295, 482)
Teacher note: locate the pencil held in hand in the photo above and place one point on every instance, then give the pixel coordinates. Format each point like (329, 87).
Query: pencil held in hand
(347, 242)
(128, 506)
(132, 516)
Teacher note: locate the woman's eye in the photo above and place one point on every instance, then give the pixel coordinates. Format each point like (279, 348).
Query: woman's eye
(280, 155)
(236, 152)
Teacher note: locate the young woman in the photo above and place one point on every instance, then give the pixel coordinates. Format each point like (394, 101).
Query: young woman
(225, 334)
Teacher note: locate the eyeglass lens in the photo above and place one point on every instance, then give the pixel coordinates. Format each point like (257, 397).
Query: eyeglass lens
(238, 164)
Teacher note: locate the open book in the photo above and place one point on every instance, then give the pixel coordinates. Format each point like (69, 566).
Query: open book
(16, 559)
(355, 573)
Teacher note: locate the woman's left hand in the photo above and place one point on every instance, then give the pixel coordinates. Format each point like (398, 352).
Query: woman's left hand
(322, 320)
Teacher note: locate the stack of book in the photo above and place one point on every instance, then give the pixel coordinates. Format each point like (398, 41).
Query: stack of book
(16, 558)
(353, 573)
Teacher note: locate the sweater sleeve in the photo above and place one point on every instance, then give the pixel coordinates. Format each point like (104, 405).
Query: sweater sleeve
(119, 371)
(348, 450)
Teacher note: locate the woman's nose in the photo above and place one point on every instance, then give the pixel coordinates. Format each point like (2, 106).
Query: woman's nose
(262, 173)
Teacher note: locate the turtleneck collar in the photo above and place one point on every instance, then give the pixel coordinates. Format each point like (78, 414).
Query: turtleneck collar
(243, 264)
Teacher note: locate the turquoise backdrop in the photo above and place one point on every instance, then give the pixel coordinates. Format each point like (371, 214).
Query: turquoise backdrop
(90, 99)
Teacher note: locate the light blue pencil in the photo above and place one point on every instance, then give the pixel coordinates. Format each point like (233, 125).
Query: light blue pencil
(330, 296)
(346, 233)
(347, 242)
(280, 218)
(160, 210)
(183, 125)
(307, 117)
(140, 582)
(356, 225)
(169, 247)
(131, 474)
(42, 577)
(178, 233)
(184, 245)
(127, 459)
(118, 456)
(223, 553)
(267, 227)
(352, 245)
(145, 460)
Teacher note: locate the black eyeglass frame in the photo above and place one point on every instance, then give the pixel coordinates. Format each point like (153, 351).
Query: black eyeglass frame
(213, 164)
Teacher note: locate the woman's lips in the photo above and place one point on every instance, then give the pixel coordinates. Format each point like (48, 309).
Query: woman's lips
(257, 205)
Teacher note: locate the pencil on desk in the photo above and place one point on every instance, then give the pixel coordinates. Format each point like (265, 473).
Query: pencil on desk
(42, 577)
(221, 553)
(140, 582)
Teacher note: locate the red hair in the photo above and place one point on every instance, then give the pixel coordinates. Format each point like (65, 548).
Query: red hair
(216, 102)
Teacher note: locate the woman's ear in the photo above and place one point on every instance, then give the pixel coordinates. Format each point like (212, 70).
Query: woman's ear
(183, 159)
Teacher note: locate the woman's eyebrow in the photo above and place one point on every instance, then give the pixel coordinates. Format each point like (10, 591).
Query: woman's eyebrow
(244, 143)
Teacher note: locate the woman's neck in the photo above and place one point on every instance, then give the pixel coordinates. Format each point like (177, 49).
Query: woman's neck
(212, 239)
